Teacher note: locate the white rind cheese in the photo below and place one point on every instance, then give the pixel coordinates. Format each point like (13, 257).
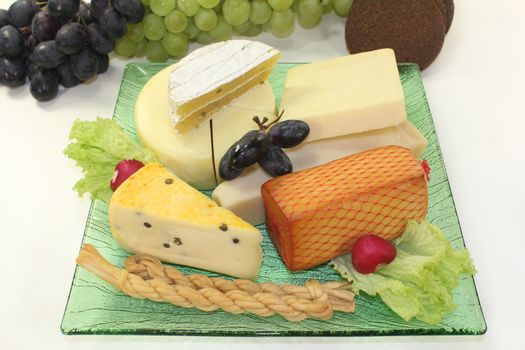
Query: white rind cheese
(243, 195)
(189, 155)
(210, 77)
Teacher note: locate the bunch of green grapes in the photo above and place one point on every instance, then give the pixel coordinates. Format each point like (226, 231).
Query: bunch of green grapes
(169, 26)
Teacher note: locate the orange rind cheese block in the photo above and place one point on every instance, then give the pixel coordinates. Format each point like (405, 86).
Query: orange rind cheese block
(314, 215)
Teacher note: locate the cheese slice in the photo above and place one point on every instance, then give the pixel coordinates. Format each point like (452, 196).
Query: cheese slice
(211, 77)
(153, 212)
(243, 196)
(345, 95)
(189, 155)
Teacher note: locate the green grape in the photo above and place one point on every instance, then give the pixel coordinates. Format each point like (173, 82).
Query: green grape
(189, 7)
(309, 13)
(191, 29)
(282, 23)
(341, 7)
(125, 47)
(135, 32)
(266, 27)
(205, 19)
(204, 38)
(154, 28)
(280, 5)
(208, 4)
(140, 50)
(261, 12)
(145, 2)
(162, 7)
(147, 10)
(236, 11)
(176, 21)
(175, 44)
(327, 6)
(223, 30)
(243, 27)
(254, 30)
(294, 5)
(155, 52)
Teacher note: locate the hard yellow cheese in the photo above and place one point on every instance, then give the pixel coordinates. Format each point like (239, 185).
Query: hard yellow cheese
(345, 95)
(211, 77)
(154, 212)
(189, 155)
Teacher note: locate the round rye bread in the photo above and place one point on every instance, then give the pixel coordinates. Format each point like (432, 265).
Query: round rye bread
(415, 29)
(447, 9)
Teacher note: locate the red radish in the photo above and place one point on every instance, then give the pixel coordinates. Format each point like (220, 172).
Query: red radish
(371, 252)
(123, 170)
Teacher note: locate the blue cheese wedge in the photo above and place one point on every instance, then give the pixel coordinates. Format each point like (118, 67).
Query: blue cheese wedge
(209, 78)
(153, 212)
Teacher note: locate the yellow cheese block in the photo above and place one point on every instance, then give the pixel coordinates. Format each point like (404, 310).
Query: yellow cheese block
(189, 155)
(345, 95)
(153, 212)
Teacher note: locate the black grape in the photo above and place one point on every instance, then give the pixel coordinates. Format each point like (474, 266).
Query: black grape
(31, 42)
(97, 7)
(46, 55)
(275, 162)
(84, 14)
(11, 41)
(84, 64)
(44, 85)
(4, 18)
(103, 63)
(249, 149)
(31, 68)
(66, 78)
(136, 17)
(12, 72)
(98, 41)
(44, 27)
(21, 12)
(71, 38)
(226, 171)
(127, 7)
(63, 9)
(112, 23)
(288, 133)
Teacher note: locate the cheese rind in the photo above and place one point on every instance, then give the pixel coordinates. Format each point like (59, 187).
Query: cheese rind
(345, 95)
(317, 214)
(211, 77)
(243, 197)
(154, 212)
(189, 155)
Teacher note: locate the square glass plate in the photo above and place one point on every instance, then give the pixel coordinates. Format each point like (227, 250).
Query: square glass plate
(95, 307)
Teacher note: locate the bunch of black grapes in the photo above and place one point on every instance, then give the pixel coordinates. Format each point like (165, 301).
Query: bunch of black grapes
(60, 42)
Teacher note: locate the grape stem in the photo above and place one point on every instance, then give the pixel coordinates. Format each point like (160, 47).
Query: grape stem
(262, 124)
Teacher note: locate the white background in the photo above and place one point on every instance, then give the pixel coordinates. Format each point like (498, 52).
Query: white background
(476, 91)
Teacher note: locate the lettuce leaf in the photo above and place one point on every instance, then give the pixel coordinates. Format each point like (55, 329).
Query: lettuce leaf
(419, 282)
(97, 146)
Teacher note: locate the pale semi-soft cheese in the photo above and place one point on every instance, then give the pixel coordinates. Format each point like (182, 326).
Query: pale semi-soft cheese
(211, 77)
(189, 155)
(153, 212)
(243, 196)
(345, 95)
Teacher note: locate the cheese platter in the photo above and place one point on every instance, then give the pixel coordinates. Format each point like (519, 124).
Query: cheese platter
(95, 307)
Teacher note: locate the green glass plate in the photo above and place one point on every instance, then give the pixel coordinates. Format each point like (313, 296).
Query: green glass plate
(95, 307)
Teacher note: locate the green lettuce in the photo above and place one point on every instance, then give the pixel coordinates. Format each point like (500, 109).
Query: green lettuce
(96, 147)
(419, 282)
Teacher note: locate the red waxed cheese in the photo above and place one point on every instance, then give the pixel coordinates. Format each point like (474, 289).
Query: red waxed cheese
(314, 215)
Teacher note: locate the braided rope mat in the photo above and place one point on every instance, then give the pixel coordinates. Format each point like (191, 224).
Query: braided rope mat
(144, 277)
